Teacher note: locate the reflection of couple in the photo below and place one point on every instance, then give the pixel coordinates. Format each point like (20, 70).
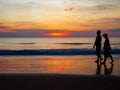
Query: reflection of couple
(106, 47)
(107, 70)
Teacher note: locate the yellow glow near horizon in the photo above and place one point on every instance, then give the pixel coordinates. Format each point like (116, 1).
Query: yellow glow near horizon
(69, 15)
(56, 34)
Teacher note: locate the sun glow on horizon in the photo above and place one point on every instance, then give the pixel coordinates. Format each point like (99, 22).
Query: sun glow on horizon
(56, 34)
(58, 18)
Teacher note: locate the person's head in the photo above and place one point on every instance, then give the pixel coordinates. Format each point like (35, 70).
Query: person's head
(105, 35)
(98, 32)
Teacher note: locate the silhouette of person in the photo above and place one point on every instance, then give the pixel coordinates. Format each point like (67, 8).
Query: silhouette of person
(97, 44)
(107, 49)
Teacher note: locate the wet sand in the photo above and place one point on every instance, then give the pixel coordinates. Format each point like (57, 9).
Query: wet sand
(77, 65)
(58, 73)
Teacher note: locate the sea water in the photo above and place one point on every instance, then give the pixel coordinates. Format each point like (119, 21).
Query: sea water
(53, 46)
(53, 43)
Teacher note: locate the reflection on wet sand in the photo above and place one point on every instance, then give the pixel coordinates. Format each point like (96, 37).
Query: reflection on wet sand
(47, 64)
(106, 70)
(78, 65)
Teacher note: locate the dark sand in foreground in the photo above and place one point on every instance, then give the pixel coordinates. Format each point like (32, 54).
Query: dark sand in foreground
(58, 82)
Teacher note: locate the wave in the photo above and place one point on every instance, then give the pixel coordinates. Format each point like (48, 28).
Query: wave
(54, 52)
(64, 43)
(22, 43)
(26, 43)
(85, 43)
(115, 44)
(74, 43)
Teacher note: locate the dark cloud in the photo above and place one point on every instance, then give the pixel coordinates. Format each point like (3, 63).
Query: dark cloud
(117, 19)
(105, 7)
(114, 30)
(3, 27)
(38, 32)
(27, 32)
(96, 9)
(21, 33)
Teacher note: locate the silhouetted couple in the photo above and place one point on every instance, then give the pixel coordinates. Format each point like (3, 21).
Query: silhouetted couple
(106, 47)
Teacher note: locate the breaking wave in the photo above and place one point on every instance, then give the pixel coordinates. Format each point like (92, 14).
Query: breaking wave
(54, 52)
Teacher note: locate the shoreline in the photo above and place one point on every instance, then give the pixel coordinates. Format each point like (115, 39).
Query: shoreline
(70, 51)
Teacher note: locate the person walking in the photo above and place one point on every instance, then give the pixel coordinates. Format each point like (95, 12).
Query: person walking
(97, 44)
(107, 49)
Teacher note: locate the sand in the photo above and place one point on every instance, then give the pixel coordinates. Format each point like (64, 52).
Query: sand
(77, 64)
(58, 82)
(79, 73)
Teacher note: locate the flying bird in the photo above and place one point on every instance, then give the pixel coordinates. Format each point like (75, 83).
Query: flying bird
(69, 9)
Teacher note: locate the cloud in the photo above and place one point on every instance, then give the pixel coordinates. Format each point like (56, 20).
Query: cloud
(38, 32)
(117, 19)
(3, 27)
(106, 20)
(95, 9)
(114, 30)
(105, 7)
(26, 8)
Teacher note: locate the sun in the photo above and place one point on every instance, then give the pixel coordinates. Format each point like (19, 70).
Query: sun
(56, 34)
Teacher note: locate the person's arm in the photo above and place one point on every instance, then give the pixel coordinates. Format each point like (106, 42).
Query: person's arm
(94, 44)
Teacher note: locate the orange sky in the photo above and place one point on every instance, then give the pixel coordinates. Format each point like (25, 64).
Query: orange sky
(67, 15)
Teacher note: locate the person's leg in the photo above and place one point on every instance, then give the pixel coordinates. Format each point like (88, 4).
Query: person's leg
(99, 50)
(111, 58)
(97, 59)
(105, 57)
(101, 58)
(98, 55)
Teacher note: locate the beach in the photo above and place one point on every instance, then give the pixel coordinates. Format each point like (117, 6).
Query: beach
(57, 44)
(77, 72)
(58, 82)
(56, 64)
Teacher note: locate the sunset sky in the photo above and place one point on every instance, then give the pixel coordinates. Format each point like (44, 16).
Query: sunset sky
(31, 18)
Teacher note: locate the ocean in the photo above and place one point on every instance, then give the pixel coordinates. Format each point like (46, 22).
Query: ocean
(54, 46)
(45, 43)
(56, 56)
